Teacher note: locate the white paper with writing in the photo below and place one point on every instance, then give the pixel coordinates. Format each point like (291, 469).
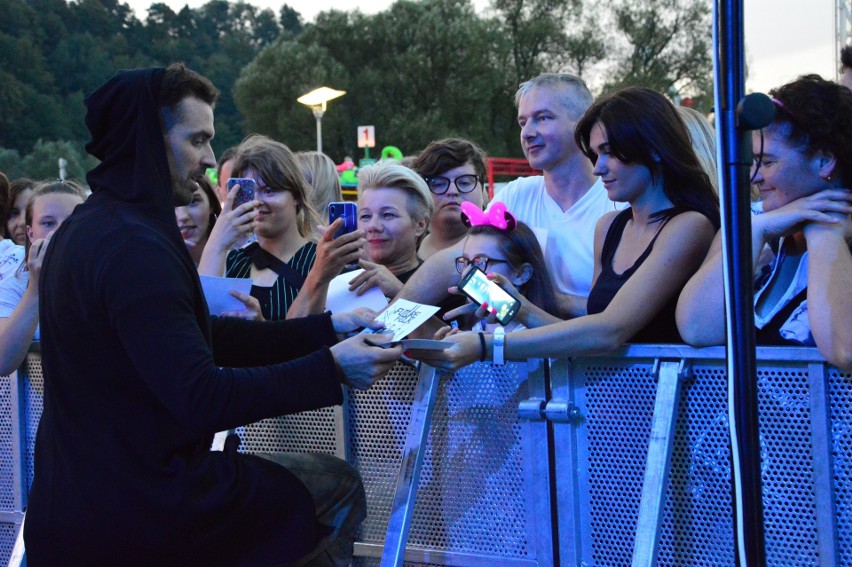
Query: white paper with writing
(403, 317)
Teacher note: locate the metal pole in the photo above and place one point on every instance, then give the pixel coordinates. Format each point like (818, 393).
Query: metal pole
(735, 153)
(318, 112)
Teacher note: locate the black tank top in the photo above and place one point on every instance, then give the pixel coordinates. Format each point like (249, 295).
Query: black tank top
(662, 328)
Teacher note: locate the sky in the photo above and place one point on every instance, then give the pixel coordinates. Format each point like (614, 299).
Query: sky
(783, 38)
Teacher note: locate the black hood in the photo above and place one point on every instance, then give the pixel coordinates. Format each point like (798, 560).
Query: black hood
(123, 116)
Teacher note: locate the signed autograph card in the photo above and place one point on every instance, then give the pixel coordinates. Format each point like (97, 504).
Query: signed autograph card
(403, 317)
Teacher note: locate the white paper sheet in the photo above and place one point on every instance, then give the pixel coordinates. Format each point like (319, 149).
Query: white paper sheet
(341, 300)
(217, 293)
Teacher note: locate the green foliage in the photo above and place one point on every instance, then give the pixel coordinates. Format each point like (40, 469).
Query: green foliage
(417, 72)
(420, 70)
(669, 47)
(10, 163)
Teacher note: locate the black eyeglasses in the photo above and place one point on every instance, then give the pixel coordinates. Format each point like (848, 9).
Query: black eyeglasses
(439, 185)
(480, 262)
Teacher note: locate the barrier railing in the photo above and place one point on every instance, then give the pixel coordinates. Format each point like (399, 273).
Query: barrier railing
(486, 496)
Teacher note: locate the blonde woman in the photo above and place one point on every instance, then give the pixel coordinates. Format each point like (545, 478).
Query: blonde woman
(394, 208)
(321, 174)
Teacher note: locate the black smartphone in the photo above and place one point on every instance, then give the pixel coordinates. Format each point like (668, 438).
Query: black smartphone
(246, 192)
(476, 285)
(346, 210)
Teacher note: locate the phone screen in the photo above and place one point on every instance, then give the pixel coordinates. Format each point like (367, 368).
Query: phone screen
(476, 285)
(246, 192)
(346, 210)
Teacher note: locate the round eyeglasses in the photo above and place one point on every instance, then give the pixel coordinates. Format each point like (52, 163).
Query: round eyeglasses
(481, 262)
(439, 185)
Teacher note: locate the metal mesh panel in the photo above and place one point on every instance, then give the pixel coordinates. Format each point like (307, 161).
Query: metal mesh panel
(697, 524)
(472, 496)
(840, 391)
(8, 534)
(787, 470)
(307, 432)
(7, 466)
(377, 421)
(375, 562)
(34, 396)
(619, 404)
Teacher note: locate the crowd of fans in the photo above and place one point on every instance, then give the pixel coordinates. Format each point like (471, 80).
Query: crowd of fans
(617, 175)
(616, 241)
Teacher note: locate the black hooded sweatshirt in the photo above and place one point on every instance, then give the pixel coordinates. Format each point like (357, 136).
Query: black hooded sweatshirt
(123, 470)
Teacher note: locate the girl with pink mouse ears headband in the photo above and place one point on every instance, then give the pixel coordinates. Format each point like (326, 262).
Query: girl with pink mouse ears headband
(497, 216)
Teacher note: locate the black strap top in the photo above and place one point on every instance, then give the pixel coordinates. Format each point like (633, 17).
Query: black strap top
(662, 328)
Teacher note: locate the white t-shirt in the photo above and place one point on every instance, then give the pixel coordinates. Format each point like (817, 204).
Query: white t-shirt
(11, 256)
(570, 248)
(12, 290)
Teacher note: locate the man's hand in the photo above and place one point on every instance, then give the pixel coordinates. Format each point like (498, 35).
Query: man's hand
(352, 321)
(362, 365)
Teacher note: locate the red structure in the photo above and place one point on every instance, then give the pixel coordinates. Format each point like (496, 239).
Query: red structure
(511, 167)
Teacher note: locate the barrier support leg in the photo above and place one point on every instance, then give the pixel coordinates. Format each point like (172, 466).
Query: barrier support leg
(821, 445)
(658, 463)
(402, 509)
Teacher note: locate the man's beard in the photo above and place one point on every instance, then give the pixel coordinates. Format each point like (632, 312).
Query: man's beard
(182, 191)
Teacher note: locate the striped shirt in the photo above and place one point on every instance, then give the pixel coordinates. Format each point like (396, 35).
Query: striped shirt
(274, 300)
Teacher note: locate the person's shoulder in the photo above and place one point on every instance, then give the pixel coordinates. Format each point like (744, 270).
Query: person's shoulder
(691, 218)
(8, 246)
(604, 222)
(688, 226)
(523, 187)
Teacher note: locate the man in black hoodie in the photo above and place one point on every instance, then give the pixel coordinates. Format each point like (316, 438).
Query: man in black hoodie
(138, 377)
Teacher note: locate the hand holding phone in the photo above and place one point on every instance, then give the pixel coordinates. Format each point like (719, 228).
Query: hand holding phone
(245, 194)
(476, 285)
(246, 190)
(346, 210)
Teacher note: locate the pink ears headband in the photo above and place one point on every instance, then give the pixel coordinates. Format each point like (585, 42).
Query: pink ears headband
(497, 216)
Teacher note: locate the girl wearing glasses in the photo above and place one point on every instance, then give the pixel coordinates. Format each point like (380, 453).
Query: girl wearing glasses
(643, 254)
(801, 243)
(453, 169)
(507, 251)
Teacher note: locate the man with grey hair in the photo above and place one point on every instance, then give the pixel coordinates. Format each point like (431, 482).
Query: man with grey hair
(566, 201)
(562, 205)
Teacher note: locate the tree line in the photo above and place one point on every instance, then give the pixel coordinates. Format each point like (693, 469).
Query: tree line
(420, 70)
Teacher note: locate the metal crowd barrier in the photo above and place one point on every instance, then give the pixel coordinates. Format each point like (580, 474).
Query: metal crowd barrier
(575, 476)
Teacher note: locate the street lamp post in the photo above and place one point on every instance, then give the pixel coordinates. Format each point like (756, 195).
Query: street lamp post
(316, 100)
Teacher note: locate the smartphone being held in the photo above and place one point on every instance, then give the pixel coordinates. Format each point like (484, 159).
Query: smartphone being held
(246, 190)
(245, 193)
(476, 285)
(346, 210)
